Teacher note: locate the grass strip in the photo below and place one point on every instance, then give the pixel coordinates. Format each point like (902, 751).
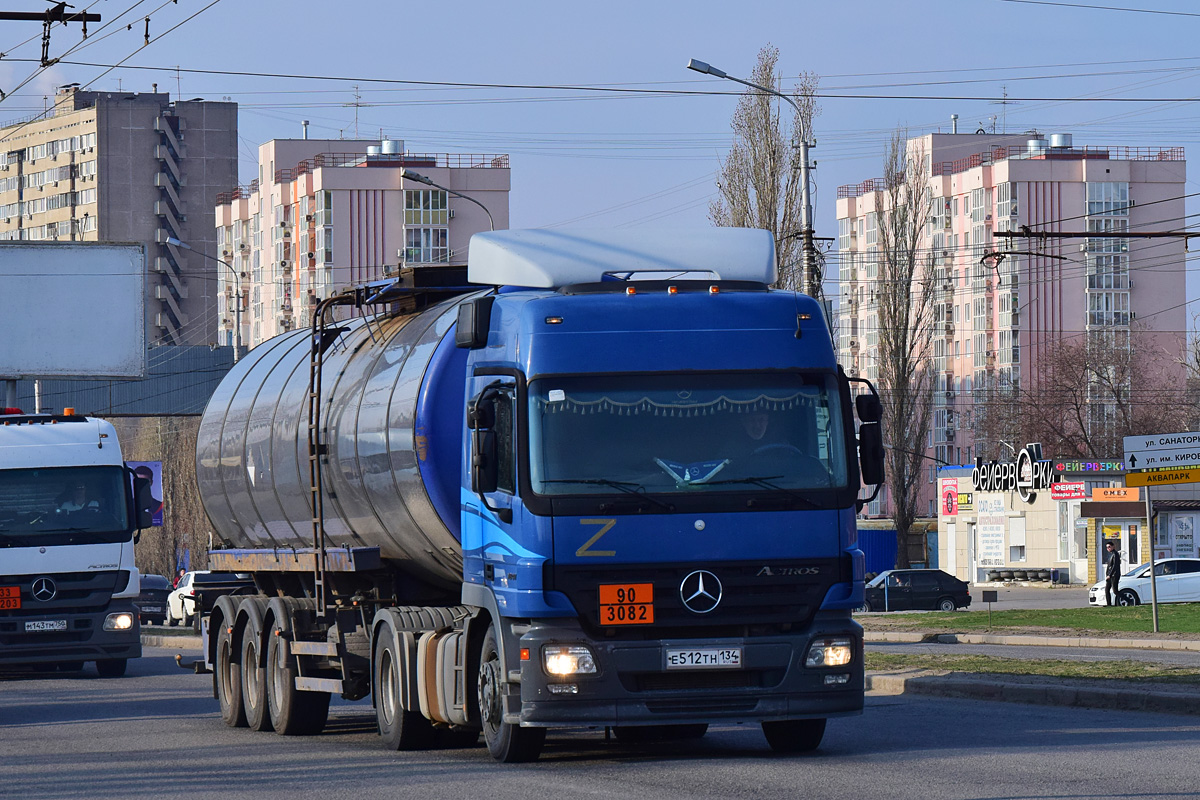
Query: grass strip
(1091, 670)
(1178, 618)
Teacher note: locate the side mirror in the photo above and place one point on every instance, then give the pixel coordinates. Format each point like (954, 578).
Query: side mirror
(474, 323)
(143, 502)
(869, 408)
(870, 452)
(484, 467)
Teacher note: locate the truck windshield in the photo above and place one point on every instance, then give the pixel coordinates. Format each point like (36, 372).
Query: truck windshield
(686, 433)
(63, 504)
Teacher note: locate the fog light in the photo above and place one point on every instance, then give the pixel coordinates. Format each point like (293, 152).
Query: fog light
(563, 688)
(562, 659)
(829, 653)
(118, 622)
(837, 680)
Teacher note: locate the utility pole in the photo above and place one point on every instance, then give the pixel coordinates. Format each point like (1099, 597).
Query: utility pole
(56, 13)
(811, 285)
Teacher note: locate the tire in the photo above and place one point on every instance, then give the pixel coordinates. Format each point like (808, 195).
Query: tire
(794, 735)
(947, 604)
(506, 742)
(1127, 597)
(253, 677)
(867, 606)
(293, 713)
(660, 733)
(111, 668)
(228, 675)
(399, 728)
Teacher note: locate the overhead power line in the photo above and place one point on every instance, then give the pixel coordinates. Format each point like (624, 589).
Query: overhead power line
(1105, 8)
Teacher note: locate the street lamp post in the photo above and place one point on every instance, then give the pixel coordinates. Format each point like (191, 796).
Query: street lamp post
(806, 228)
(237, 279)
(419, 178)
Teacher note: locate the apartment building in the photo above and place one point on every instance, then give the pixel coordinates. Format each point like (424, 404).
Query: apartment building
(995, 318)
(324, 214)
(128, 167)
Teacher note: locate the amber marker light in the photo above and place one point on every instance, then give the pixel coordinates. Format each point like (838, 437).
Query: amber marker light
(630, 290)
(714, 289)
(554, 320)
(524, 653)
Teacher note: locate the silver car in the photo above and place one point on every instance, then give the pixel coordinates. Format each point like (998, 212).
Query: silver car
(1177, 580)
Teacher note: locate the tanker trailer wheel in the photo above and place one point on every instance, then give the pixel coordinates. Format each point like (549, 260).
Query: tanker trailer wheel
(227, 672)
(399, 728)
(293, 713)
(253, 678)
(505, 741)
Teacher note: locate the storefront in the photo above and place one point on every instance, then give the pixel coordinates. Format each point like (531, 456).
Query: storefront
(1116, 515)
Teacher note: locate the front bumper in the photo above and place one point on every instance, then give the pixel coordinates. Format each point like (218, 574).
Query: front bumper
(634, 687)
(83, 640)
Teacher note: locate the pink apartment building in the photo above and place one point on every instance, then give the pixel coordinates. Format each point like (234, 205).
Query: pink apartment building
(325, 214)
(993, 322)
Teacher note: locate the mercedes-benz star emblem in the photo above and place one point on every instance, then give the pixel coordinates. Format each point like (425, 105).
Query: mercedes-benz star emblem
(44, 590)
(700, 591)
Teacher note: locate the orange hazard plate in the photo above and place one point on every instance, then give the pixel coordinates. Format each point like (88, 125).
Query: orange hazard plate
(10, 598)
(626, 603)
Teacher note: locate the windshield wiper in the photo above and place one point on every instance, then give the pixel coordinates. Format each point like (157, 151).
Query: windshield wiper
(764, 481)
(628, 487)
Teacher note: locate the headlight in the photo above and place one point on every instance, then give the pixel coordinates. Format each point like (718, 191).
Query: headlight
(562, 659)
(830, 653)
(118, 622)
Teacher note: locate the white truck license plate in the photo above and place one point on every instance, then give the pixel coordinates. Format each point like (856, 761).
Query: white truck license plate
(46, 625)
(704, 658)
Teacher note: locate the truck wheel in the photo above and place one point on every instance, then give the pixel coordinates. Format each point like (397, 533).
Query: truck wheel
(253, 678)
(111, 668)
(506, 742)
(399, 728)
(794, 735)
(229, 678)
(293, 713)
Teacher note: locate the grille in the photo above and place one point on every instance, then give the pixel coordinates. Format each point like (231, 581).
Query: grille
(78, 592)
(758, 595)
(700, 680)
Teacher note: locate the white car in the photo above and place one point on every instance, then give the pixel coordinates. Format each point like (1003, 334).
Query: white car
(181, 603)
(1177, 580)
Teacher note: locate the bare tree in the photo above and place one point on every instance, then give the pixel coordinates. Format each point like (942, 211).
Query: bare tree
(906, 295)
(1090, 394)
(759, 180)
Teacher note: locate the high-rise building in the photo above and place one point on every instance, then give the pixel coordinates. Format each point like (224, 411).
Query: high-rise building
(128, 167)
(996, 318)
(325, 214)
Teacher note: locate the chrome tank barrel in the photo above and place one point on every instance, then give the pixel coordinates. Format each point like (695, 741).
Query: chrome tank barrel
(391, 420)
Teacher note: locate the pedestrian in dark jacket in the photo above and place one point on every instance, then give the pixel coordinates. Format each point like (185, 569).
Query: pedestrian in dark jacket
(1112, 575)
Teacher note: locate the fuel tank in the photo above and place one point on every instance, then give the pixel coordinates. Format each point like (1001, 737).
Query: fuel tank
(392, 420)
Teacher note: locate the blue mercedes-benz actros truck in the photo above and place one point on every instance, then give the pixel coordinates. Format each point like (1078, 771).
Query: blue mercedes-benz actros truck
(612, 483)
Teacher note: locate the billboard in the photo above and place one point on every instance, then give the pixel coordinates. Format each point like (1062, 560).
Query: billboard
(74, 310)
(153, 471)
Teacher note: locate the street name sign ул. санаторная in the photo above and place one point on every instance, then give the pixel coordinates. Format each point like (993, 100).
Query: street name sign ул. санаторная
(1159, 450)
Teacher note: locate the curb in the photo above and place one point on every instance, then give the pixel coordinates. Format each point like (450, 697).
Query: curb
(1054, 692)
(1030, 640)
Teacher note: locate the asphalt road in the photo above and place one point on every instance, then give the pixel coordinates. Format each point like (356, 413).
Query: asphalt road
(156, 733)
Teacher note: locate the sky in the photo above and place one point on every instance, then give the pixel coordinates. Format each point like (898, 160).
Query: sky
(583, 157)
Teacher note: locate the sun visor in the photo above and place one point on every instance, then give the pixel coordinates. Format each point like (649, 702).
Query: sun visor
(549, 259)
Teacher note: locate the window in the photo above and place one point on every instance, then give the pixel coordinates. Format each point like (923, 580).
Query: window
(426, 207)
(426, 245)
(1109, 199)
(506, 458)
(872, 230)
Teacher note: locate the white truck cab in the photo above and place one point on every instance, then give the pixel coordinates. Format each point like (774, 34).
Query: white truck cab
(68, 519)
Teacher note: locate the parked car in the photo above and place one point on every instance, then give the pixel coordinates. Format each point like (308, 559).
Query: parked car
(181, 603)
(916, 589)
(152, 599)
(1177, 580)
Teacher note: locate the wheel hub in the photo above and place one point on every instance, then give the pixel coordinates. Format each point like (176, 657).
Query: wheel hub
(489, 694)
